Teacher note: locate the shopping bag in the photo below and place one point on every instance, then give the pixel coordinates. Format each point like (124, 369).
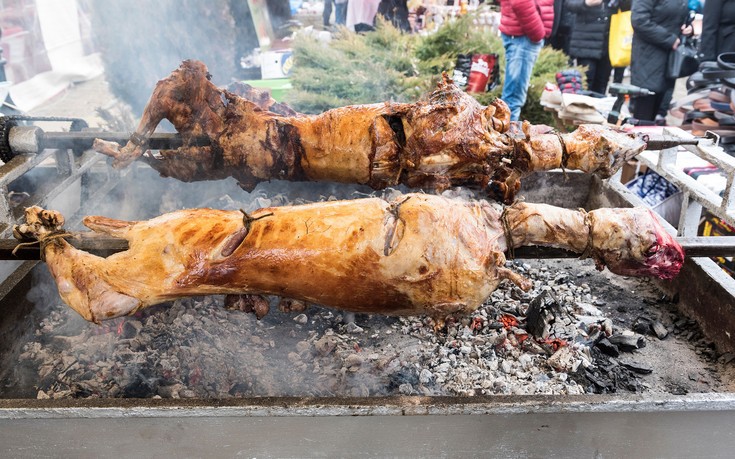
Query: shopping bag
(462, 68)
(621, 39)
(683, 60)
(483, 73)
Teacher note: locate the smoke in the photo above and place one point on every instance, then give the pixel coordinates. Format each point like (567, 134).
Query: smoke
(143, 40)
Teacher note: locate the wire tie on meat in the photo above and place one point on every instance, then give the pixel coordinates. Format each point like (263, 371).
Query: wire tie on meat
(564, 154)
(508, 234)
(395, 207)
(587, 253)
(43, 242)
(247, 220)
(139, 140)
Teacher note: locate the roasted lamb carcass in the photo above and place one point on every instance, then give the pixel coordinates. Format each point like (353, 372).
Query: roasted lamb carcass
(446, 140)
(418, 254)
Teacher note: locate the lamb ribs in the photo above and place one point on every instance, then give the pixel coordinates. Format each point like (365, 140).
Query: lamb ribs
(418, 254)
(448, 139)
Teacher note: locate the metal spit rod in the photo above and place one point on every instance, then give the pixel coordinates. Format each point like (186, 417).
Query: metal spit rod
(84, 140)
(31, 140)
(718, 246)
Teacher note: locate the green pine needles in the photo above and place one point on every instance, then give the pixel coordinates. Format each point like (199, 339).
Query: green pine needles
(387, 65)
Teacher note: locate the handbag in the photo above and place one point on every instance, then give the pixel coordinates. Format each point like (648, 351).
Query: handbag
(683, 60)
(621, 39)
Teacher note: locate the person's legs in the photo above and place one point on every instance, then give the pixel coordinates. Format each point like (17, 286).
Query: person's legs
(598, 73)
(666, 97)
(602, 76)
(645, 107)
(520, 56)
(618, 74)
(340, 13)
(591, 72)
(327, 12)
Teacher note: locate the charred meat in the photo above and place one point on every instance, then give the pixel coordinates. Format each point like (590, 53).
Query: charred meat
(447, 139)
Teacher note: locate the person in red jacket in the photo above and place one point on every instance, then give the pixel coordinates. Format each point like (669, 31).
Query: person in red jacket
(524, 24)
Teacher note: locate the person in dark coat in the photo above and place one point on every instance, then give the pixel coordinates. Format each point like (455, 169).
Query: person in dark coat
(657, 25)
(718, 29)
(561, 31)
(589, 41)
(395, 11)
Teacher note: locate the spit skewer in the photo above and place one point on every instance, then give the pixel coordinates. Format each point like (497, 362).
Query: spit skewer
(718, 246)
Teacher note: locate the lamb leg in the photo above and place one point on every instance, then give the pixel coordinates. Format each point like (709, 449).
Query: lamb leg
(630, 242)
(419, 254)
(448, 139)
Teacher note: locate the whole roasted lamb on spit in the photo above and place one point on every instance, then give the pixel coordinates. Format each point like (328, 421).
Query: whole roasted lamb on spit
(417, 254)
(446, 140)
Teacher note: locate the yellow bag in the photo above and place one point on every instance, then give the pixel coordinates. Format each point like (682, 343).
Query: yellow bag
(621, 39)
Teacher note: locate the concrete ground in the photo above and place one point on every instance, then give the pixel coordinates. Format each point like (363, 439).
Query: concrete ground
(88, 100)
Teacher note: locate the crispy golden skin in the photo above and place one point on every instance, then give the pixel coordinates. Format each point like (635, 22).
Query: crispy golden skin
(418, 254)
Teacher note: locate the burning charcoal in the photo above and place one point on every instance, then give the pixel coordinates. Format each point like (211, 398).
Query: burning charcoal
(628, 343)
(248, 303)
(325, 345)
(353, 362)
(564, 360)
(608, 348)
(541, 313)
(642, 326)
(131, 328)
(659, 329)
(290, 305)
(637, 367)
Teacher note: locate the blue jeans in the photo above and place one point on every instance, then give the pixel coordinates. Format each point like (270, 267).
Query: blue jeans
(327, 11)
(340, 13)
(520, 56)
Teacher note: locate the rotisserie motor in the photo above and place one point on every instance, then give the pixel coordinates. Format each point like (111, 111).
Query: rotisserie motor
(418, 254)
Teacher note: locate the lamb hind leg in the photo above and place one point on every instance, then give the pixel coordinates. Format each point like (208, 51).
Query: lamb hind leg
(75, 271)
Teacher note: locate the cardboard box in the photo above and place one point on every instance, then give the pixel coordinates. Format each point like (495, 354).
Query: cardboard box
(276, 64)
